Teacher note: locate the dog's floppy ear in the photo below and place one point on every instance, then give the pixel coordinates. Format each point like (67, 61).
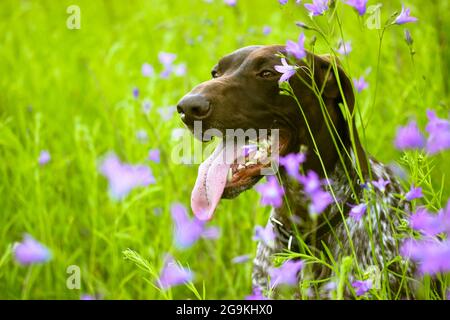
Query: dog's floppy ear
(335, 84)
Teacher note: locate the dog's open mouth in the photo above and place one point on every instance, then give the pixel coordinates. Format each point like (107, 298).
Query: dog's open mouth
(231, 169)
(244, 171)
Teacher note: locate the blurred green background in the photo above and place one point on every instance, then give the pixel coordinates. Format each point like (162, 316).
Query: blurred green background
(70, 92)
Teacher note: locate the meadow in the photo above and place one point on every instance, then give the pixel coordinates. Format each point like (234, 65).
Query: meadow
(81, 94)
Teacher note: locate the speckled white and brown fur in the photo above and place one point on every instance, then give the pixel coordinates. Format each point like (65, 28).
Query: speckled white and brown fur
(346, 237)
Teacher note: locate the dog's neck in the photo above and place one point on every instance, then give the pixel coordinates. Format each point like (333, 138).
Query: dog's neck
(294, 213)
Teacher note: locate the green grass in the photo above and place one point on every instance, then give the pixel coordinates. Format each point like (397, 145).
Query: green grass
(70, 91)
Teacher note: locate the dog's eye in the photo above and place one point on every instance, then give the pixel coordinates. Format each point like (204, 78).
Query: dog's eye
(266, 74)
(214, 74)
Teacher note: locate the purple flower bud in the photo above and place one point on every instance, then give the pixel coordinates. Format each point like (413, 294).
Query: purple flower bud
(241, 259)
(135, 93)
(408, 38)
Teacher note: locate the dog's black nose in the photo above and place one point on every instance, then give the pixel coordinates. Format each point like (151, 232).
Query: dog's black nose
(193, 107)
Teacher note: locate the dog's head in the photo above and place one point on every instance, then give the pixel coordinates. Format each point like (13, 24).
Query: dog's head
(244, 95)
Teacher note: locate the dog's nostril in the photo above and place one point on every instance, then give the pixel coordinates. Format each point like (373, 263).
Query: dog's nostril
(195, 107)
(200, 111)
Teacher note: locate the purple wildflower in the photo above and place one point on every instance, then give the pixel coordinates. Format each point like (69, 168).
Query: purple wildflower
(358, 211)
(267, 30)
(167, 58)
(187, 231)
(286, 273)
(429, 224)
(88, 297)
(147, 70)
(439, 133)
(180, 70)
(231, 3)
(287, 70)
(135, 93)
(241, 259)
(123, 177)
(362, 287)
(297, 49)
(283, 2)
(141, 135)
(359, 5)
(44, 157)
(29, 251)
(166, 72)
(320, 200)
(292, 162)
(409, 137)
(317, 8)
(256, 295)
(154, 155)
(405, 16)
(173, 274)
(414, 193)
(271, 192)
(311, 182)
(381, 184)
(146, 106)
(265, 235)
(345, 47)
(432, 256)
(312, 186)
(360, 84)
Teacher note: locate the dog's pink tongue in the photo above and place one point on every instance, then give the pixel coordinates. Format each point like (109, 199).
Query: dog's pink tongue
(211, 181)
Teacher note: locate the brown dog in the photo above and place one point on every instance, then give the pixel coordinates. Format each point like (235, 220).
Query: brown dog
(244, 94)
